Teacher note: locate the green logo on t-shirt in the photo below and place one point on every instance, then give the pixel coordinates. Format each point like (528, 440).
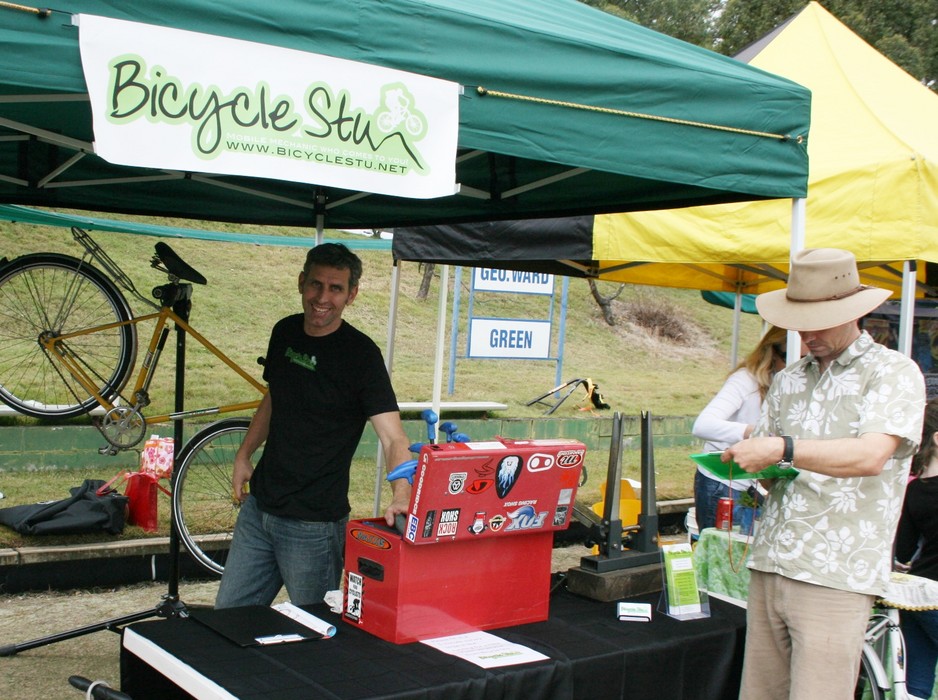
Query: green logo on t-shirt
(298, 358)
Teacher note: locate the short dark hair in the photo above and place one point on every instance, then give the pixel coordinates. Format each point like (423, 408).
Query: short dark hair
(338, 256)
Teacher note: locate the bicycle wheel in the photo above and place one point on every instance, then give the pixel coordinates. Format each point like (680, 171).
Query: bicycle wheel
(867, 688)
(203, 510)
(45, 295)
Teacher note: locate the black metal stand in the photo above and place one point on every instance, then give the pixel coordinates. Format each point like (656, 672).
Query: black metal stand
(170, 604)
(644, 549)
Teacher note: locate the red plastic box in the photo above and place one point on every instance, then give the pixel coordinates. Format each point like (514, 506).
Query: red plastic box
(476, 551)
(404, 593)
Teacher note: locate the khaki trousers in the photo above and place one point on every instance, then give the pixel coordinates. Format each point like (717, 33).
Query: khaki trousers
(803, 641)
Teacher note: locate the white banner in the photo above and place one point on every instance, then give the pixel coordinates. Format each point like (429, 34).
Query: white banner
(180, 100)
(509, 338)
(489, 279)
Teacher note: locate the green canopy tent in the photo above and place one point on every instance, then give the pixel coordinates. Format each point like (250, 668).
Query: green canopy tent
(565, 110)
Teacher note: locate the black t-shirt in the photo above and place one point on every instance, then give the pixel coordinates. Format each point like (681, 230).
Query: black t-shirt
(323, 390)
(919, 526)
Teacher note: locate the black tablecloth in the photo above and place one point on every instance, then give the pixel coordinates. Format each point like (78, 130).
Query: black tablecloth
(592, 655)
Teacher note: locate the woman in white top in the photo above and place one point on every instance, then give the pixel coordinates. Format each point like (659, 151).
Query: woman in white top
(731, 416)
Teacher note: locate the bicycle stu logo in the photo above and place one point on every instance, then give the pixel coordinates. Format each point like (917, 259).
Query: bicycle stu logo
(327, 129)
(298, 358)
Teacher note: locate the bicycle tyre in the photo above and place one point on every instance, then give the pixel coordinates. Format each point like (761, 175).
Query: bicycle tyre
(867, 688)
(49, 293)
(204, 512)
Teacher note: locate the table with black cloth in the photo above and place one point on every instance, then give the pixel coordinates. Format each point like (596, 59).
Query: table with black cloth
(591, 655)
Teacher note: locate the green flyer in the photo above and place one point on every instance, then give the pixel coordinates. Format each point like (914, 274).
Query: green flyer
(681, 580)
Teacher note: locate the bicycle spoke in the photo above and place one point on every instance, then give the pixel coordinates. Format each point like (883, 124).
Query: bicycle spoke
(203, 509)
(43, 296)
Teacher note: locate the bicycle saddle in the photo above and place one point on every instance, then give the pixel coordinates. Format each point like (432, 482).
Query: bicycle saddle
(177, 266)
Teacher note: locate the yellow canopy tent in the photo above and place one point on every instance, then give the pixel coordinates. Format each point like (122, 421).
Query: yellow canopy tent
(872, 184)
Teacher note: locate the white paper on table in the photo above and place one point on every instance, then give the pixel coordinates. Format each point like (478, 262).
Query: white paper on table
(304, 618)
(484, 649)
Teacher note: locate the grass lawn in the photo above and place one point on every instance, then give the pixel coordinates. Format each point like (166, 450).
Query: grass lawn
(674, 474)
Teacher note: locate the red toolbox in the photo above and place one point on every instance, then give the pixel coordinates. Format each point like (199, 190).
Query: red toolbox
(476, 553)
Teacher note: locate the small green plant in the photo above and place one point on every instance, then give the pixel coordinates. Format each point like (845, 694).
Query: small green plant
(748, 499)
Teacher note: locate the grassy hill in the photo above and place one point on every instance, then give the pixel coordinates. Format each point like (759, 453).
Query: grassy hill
(637, 367)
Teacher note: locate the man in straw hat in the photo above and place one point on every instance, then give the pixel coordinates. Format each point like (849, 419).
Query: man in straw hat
(848, 418)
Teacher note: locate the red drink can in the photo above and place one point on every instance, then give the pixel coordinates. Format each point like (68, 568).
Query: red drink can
(724, 519)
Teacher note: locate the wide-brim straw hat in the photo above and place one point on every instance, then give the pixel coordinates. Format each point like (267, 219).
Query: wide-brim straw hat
(824, 291)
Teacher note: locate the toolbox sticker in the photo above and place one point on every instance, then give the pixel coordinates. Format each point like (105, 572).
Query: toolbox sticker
(539, 462)
(570, 458)
(478, 526)
(526, 518)
(449, 522)
(457, 481)
(509, 469)
(372, 539)
(496, 522)
(353, 596)
(560, 515)
(479, 486)
(412, 523)
(565, 496)
(428, 524)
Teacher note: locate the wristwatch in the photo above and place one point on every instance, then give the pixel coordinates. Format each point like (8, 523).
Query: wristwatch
(788, 456)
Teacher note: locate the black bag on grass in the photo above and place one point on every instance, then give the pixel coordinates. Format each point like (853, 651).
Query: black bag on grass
(85, 511)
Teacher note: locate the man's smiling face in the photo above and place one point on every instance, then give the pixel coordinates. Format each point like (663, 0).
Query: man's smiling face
(325, 293)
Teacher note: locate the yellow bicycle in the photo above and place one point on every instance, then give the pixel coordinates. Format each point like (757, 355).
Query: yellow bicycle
(68, 344)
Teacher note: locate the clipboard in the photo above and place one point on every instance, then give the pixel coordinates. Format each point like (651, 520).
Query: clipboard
(732, 471)
(254, 625)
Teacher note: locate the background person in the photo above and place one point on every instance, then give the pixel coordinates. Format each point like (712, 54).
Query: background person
(848, 417)
(325, 379)
(731, 416)
(917, 546)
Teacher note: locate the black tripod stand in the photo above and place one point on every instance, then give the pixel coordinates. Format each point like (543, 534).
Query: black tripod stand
(170, 605)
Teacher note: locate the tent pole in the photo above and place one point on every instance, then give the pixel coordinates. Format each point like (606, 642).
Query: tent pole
(907, 306)
(737, 319)
(389, 363)
(797, 243)
(440, 338)
(320, 214)
(454, 331)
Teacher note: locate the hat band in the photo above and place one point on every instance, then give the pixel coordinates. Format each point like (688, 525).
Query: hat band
(834, 297)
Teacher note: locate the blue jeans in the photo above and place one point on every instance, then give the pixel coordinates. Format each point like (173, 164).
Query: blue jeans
(270, 551)
(920, 629)
(707, 492)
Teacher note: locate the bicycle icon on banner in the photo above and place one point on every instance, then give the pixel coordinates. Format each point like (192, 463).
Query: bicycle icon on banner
(398, 111)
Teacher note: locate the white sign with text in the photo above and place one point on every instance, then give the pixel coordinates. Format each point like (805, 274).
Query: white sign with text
(181, 100)
(509, 338)
(487, 279)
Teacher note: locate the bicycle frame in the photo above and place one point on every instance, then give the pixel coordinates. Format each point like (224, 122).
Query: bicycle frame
(884, 641)
(57, 348)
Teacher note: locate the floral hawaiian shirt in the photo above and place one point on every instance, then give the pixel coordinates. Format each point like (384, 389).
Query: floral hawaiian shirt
(839, 532)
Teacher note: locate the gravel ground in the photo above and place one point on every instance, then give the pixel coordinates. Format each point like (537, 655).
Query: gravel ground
(42, 672)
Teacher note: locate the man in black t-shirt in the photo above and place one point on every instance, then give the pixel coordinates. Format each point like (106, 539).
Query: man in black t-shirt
(325, 380)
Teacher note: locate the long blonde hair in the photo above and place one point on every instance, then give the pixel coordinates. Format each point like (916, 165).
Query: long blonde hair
(760, 363)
